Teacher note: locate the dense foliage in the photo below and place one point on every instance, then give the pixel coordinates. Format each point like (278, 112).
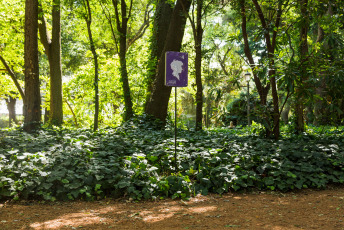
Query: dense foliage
(137, 161)
(307, 67)
(113, 70)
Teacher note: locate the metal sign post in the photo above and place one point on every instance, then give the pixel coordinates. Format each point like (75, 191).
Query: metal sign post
(175, 130)
(176, 75)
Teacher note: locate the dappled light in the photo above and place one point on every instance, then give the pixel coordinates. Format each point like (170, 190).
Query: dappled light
(308, 209)
(203, 209)
(171, 114)
(71, 220)
(106, 215)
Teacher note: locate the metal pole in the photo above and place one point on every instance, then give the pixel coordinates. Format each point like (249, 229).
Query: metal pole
(175, 129)
(248, 103)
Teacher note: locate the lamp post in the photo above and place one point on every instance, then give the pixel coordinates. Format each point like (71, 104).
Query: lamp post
(248, 77)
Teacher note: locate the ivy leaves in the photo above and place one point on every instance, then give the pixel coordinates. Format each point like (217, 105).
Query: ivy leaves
(138, 162)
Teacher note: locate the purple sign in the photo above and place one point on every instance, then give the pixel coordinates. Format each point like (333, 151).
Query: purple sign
(176, 69)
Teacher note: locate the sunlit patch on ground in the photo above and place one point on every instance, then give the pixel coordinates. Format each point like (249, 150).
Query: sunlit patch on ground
(77, 220)
(309, 209)
(203, 209)
(157, 217)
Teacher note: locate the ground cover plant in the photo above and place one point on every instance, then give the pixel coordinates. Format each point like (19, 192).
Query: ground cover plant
(136, 161)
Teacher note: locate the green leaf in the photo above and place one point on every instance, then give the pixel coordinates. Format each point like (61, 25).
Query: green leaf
(65, 181)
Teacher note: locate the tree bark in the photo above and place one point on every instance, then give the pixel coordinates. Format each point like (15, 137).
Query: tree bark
(158, 102)
(270, 46)
(262, 91)
(198, 37)
(32, 101)
(303, 51)
(270, 42)
(11, 106)
(53, 50)
(88, 19)
(122, 26)
(56, 105)
(319, 104)
(161, 23)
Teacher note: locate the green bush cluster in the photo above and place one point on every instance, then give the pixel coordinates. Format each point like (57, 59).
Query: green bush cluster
(137, 161)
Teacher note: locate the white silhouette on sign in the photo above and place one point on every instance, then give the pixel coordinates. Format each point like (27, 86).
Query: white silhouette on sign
(177, 67)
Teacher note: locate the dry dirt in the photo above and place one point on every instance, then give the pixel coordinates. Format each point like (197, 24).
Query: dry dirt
(306, 209)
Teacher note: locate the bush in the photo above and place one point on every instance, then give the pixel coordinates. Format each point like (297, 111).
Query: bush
(237, 110)
(138, 162)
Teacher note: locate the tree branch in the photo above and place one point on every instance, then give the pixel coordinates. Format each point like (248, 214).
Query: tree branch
(108, 17)
(130, 8)
(142, 29)
(43, 31)
(265, 27)
(221, 61)
(114, 3)
(13, 77)
(261, 90)
(277, 23)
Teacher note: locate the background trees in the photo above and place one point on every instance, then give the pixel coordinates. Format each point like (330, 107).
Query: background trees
(115, 69)
(52, 48)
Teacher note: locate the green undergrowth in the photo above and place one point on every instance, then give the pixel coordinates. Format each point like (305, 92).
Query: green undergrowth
(137, 161)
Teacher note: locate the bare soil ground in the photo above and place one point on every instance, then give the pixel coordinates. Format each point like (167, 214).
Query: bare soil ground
(306, 209)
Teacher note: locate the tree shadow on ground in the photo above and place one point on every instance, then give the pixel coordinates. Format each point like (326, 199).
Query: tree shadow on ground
(306, 209)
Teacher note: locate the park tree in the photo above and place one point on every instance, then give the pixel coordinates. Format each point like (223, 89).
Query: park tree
(88, 20)
(161, 22)
(32, 100)
(11, 106)
(197, 30)
(327, 39)
(122, 19)
(300, 81)
(197, 17)
(125, 32)
(223, 69)
(52, 48)
(13, 76)
(11, 54)
(311, 69)
(269, 14)
(157, 103)
(10, 92)
(293, 48)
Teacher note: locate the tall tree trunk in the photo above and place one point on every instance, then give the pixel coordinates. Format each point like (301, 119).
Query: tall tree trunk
(11, 106)
(32, 101)
(262, 90)
(285, 114)
(198, 37)
(124, 78)
(319, 104)
(161, 23)
(199, 86)
(122, 26)
(276, 115)
(56, 105)
(270, 42)
(303, 51)
(88, 19)
(53, 50)
(158, 102)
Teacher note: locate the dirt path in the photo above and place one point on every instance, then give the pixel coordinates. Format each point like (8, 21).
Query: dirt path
(308, 209)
